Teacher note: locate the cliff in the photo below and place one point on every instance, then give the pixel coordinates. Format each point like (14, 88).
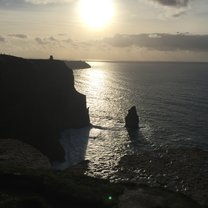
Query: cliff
(77, 64)
(39, 101)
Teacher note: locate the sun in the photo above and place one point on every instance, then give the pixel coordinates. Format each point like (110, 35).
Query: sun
(96, 13)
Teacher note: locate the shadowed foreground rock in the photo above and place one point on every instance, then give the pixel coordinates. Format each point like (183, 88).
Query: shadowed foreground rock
(27, 186)
(14, 153)
(66, 189)
(38, 102)
(146, 197)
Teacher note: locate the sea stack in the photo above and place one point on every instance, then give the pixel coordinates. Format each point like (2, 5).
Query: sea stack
(132, 119)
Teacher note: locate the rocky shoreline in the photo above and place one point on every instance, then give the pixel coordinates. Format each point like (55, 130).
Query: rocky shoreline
(15, 154)
(27, 180)
(179, 170)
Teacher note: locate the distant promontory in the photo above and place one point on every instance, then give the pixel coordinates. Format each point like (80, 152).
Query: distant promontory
(77, 64)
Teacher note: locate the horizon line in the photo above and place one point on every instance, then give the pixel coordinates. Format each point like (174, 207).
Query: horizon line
(113, 61)
(142, 61)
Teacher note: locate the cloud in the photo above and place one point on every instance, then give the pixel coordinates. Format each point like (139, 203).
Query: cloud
(50, 41)
(41, 41)
(68, 40)
(47, 1)
(2, 39)
(173, 3)
(161, 41)
(8, 3)
(179, 14)
(20, 3)
(22, 36)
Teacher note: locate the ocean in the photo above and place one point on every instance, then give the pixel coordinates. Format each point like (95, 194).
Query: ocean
(172, 104)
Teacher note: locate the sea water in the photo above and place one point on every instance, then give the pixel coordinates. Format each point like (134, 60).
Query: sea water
(171, 101)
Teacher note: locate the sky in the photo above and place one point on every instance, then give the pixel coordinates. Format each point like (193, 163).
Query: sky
(120, 30)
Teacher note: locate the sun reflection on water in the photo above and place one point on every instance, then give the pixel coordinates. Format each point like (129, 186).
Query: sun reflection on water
(96, 78)
(108, 102)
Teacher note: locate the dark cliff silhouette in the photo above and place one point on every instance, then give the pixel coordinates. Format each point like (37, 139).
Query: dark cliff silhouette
(38, 102)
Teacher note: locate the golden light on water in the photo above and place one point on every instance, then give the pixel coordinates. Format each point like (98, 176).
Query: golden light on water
(96, 13)
(96, 78)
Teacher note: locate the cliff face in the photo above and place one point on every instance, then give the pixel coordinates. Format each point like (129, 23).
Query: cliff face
(39, 101)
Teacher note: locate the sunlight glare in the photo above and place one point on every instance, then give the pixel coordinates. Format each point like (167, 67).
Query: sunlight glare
(96, 13)
(96, 78)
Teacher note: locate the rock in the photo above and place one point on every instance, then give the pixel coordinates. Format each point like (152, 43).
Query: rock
(147, 197)
(38, 102)
(77, 64)
(66, 189)
(132, 119)
(182, 170)
(15, 154)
